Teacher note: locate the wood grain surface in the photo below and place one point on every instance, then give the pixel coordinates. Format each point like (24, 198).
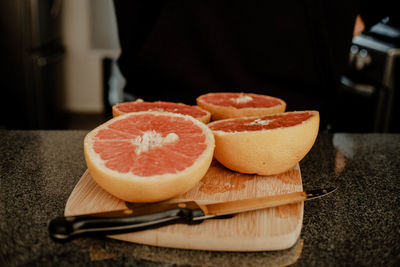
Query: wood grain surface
(263, 230)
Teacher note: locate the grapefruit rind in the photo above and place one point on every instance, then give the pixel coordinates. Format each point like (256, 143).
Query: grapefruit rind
(205, 118)
(266, 152)
(134, 188)
(219, 112)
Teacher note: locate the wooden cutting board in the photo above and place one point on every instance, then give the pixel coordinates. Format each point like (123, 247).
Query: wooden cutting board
(263, 230)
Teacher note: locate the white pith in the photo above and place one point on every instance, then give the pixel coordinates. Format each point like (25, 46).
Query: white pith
(260, 122)
(153, 139)
(156, 109)
(242, 99)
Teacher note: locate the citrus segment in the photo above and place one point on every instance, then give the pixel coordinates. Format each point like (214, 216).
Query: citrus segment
(265, 145)
(240, 100)
(149, 156)
(261, 123)
(233, 105)
(161, 106)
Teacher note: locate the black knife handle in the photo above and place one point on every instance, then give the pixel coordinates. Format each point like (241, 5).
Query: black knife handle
(123, 221)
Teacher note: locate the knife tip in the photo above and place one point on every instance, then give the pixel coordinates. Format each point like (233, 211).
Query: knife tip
(320, 192)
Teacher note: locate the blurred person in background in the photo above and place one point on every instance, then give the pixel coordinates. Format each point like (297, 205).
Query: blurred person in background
(294, 50)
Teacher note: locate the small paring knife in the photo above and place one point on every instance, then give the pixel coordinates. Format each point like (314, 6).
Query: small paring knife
(149, 216)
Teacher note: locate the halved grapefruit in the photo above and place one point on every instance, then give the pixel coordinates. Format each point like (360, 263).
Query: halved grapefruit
(149, 156)
(140, 105)
(233, 105)
(265, 145)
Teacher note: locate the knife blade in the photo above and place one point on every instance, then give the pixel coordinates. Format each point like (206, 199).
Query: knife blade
(149, 216)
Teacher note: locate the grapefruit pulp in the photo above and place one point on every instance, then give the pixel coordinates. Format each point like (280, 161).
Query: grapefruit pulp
(140, 105)
(149, 156)
(265, 145)
(233, 105)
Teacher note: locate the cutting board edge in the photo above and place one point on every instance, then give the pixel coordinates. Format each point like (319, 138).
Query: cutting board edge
(226, 244)
(253, 244)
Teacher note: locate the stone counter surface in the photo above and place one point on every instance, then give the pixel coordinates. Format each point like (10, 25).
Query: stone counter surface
(357, 225)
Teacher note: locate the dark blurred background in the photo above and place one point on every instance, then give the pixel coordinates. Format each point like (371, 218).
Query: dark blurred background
(59, 69)
(371, 81)
(57, 63)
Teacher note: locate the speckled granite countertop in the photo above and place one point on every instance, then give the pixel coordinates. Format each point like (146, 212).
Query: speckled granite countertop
(358, 225)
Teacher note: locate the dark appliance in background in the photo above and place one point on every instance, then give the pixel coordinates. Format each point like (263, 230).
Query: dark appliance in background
(31, 57)
(371, 84)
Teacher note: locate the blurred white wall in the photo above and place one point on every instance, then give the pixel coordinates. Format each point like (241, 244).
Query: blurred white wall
(89, 35)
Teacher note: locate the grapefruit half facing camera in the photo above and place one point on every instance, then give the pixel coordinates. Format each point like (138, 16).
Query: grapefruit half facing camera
(180, 108)
(265, 145)
(149, 156)
(233, 105)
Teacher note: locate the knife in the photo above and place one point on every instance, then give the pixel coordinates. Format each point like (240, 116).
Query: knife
(149, 216)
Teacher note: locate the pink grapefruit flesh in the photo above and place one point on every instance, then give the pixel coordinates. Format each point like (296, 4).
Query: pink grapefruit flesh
(233, 105)
(140, 105)
(149, 156)
(262, 123)
(240, 100)
(265, 145)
